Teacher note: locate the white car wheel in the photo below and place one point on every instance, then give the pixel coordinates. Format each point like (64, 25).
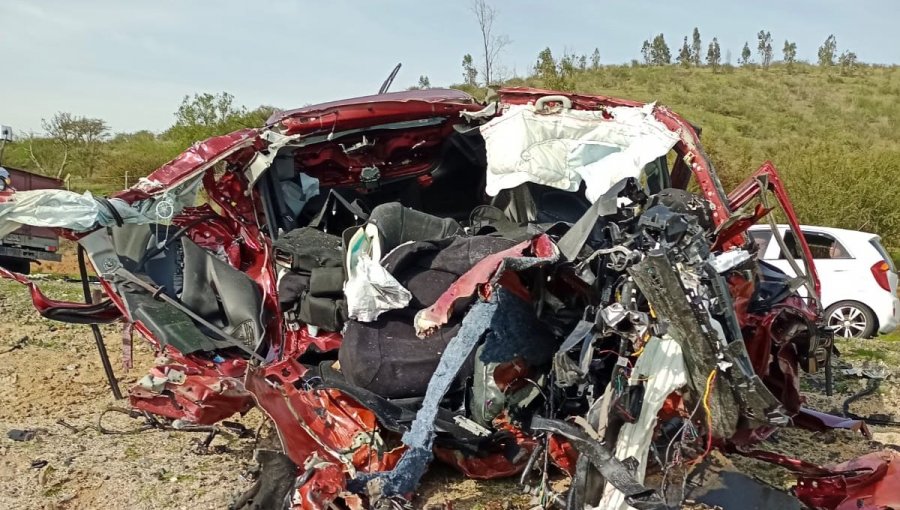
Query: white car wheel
(849, 319)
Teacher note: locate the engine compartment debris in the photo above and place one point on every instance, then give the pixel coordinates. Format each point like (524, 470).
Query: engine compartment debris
(516, 289)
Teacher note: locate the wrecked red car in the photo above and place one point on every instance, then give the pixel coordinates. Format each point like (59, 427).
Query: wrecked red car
(550, 281)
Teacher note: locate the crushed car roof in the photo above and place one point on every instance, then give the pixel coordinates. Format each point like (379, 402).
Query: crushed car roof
(436, 95)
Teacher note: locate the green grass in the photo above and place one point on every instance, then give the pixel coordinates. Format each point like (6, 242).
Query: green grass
(883, 349)
(894, 336)
(867, 354)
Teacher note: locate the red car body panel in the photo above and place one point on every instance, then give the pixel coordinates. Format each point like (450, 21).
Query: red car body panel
(208, 393)
(190, 163)
(487, 269)
(375, 109)
(766, 179)
(869, 482)
(48, 307)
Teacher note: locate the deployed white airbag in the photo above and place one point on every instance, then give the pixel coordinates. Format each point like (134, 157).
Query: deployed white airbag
(563, 148)
(661, 367)
(69, 210)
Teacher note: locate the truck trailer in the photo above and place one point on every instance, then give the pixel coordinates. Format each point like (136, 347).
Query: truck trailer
(28, 244)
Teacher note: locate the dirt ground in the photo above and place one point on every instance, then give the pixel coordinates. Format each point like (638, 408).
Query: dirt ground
(51, 382)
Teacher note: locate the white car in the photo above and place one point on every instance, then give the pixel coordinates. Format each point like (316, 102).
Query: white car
(857, 276)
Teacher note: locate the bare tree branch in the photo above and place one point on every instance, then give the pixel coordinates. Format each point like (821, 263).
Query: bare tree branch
(492, 44)
(78, 140)
(62, 165)
(31, 155)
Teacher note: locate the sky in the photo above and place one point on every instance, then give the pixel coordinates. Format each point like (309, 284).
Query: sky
(130, 62)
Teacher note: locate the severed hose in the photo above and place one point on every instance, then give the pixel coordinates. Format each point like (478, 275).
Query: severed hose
(871, 386)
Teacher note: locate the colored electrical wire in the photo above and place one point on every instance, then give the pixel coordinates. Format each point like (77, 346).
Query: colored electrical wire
(675, 436)
(710, 383)
(610, 351)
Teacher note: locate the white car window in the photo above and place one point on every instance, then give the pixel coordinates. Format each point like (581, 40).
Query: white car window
(822, 246)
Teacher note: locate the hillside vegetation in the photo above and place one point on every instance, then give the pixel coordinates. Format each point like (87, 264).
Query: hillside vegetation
(835, 137)
(82, 151)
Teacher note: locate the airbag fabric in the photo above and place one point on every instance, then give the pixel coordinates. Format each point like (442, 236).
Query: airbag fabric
(562, 149)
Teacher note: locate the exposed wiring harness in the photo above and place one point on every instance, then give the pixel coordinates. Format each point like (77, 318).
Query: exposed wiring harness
(704, 401)
(710, 383)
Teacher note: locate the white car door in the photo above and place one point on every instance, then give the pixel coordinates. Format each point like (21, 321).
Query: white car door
(770, 251)
(839, 275)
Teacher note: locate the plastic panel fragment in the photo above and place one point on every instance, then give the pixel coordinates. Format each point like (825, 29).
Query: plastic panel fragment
(662, 366)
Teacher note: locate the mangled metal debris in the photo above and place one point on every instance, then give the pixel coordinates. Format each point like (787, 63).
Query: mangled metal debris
(509, 289)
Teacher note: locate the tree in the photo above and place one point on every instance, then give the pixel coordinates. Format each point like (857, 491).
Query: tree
(685, 57)
(207, 110)
(553, 74)
(257, 116)
(595, 59)
(790, 53)
(470, 72)
(696, 47)
(423, 83)
(205, 115)
(91, 134)
(764, 48)
(659, 51)
(847, 60)
(645, 52)
(714, 54)
(76, 139)
(582, 62)
(545, 67)
(492, 44)
(827, 51)
(566, 70)
(745, 55)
